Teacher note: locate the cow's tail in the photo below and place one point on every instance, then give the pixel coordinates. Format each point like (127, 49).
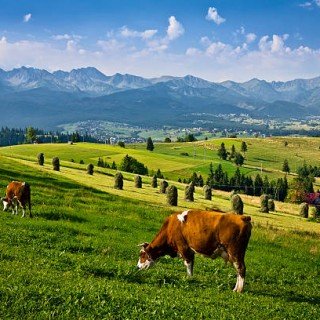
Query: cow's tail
(28, 193)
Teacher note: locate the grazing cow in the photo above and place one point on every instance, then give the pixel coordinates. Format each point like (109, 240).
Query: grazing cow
(209, 233)
(17, 195)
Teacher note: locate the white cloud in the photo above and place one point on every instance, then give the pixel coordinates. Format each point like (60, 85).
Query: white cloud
(250, 37)
(273, 59)
(317, 2)
(62, 37)
(274, 45)
(27, 17)
(214, 16)
(128, 33)
(175, 29)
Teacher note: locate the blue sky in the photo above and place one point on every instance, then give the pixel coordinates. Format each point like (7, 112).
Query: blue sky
(216, 40)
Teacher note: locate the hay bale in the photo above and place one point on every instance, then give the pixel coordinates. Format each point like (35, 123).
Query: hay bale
(154, 182)
(40, 159)
(304, 210)
(56, 164)
(172, 195)
(264, 198)
(138, 181)
(271, 205)
(118, 181)
(207, 192)
(237, 204)
(163, 186)
(90, 169)
(189, 191)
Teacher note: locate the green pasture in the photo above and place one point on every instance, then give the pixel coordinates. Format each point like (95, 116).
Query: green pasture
(76, 258)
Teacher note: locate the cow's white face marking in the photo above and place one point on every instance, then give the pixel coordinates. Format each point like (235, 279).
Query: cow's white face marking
(181, 217)
(145, 261)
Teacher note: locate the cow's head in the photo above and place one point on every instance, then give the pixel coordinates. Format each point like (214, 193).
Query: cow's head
(6, 203)
(145, 260)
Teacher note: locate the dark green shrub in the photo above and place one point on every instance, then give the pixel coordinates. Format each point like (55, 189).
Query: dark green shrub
(172, 196)
(81, 162)
(271, 205)
(188, 194)
(130, 164)
(237, 204)
(138, 181)
(118, 181)
(304, 210)
(41, 159)
(207, 192)
(90, 169)
(56, 164)
(264, 203)
(154, 182)
(163, 186)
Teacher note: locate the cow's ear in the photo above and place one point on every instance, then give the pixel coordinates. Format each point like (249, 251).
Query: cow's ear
(143, 245)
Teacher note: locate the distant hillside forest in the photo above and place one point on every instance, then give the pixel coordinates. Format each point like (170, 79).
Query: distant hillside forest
(9, 137)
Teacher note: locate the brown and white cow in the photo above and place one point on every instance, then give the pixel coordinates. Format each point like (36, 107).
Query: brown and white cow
(17, 195)
(209, 233)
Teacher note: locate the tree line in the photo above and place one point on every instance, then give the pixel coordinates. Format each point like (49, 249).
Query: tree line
(14, 136)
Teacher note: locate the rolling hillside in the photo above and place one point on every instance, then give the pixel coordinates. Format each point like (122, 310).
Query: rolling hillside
(77, 257)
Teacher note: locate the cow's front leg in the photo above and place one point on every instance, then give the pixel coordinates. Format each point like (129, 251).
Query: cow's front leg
(23, 212)
(188, 256)
(241, 272)
(189, 265)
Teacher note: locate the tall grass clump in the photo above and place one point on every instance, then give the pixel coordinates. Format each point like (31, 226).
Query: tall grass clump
(172, 195)
(138, 181)
(207, 192)
(41, 159)
(237, 204)
(264, 203)
(56, 164)
(163, 186)
(118, 181)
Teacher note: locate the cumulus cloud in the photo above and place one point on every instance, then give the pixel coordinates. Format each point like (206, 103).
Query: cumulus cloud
(27, 17)
(128, 33)
(213, 15)
(250, 37)
(175, 29)
(271, 59)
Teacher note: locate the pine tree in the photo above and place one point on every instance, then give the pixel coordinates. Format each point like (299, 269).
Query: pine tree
(244, 147)
(222, 152)
(150, 145)
(31, 135)
(233, 152)
(238, 159)
(285, 166)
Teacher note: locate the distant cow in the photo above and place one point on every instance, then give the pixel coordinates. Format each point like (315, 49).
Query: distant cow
(17, 195)
(209, 233)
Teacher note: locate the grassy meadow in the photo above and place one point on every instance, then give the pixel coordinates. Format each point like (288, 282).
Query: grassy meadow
(76, 258)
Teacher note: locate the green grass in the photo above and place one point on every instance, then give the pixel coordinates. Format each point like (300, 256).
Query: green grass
(76, 259)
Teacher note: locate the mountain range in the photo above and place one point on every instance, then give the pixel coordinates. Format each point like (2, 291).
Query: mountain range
(30, 96)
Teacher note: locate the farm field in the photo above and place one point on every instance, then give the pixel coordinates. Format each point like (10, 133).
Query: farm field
(264, 156)
(76, 259)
